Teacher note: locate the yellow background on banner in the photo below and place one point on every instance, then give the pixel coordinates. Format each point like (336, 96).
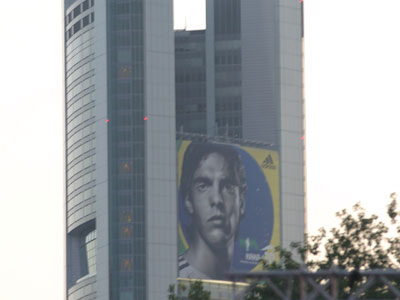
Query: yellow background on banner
(268, 160)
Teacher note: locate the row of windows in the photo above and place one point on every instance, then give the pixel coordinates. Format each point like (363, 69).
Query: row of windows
(228, 106)
(86, 117)
(126, 280)
(231, 121)
(128, 231)
(191, 91)
(128, 265)
(131, 135)
(81, 86)
(130, 86)
(232, 132)
(190, 76)
(78, 104)
(127, 152)
(130, 22)
(227, 17)
(136, 181)
(81, 166)
(79, 206)
(193, 61)
(80, 151)
(128, 55)
(85, 53)
(136, 244)
(84, 291)
(129, 38)
(130, 214)
(80, 173)
(130, 102)
(192, 124)
(80, 24)
(128, 72)
(227, 79)
(187, 46)
(84, 114)
(131, 198)
(77, 44)
(85, 195)
(87, 210)
(80, 181)
(85, 5)
(131, 7)
(82, 188)
(131, 166)
(191, 108)
(80, 134)
(132, 120)
(228, 58)
(228, 92)
(85, 69)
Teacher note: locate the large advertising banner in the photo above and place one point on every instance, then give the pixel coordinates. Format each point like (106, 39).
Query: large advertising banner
(228, 208)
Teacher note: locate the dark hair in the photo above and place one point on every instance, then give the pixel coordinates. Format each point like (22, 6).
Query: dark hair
(196, 152)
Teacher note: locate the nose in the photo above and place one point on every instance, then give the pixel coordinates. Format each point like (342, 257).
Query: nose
(216, 197)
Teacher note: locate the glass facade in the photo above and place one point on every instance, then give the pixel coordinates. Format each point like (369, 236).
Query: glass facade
(190, 72)
(190, 81)
(87, 251)
(228, 76)
(80, 114)
(126, 149)
(80, 150)
(118, 65)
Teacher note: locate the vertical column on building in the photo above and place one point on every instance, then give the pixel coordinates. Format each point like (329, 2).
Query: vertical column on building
(160, 148)
(291, 121)
(210, 69)
(102, 224)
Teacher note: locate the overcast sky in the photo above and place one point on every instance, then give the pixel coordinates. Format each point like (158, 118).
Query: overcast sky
(352, 63)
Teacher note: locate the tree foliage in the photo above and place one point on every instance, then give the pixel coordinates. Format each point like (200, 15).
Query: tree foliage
(196, 292)
(360, 242)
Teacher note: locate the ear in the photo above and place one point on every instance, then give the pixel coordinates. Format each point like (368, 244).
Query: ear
(189, 205)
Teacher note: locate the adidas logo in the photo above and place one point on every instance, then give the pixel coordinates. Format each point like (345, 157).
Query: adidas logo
(268, 163)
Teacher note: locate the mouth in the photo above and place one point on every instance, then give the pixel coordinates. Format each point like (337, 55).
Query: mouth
(217, 220)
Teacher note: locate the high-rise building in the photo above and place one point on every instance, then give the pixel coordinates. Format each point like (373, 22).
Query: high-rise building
(120, 149)
(241, 78)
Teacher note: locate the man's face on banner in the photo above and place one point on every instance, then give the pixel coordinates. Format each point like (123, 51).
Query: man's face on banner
(214, 201)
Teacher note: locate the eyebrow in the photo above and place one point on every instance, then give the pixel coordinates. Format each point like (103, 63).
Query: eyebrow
(202, 179)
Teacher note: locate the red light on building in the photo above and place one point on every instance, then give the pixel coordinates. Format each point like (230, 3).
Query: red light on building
(145, 118)
(107, 120)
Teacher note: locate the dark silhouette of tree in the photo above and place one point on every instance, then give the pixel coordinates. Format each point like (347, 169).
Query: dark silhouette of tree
(360, 242)
(196, 292)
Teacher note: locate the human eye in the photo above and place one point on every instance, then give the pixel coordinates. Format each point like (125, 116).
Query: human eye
(229, 187)
(202, 186)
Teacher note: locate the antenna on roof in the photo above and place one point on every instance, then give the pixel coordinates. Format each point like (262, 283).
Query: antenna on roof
(185, 22)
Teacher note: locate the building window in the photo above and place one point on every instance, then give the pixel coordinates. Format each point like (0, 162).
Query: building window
(85, 5)
(85, 21)
(88, 253)
(77, 11)
(77, 26)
